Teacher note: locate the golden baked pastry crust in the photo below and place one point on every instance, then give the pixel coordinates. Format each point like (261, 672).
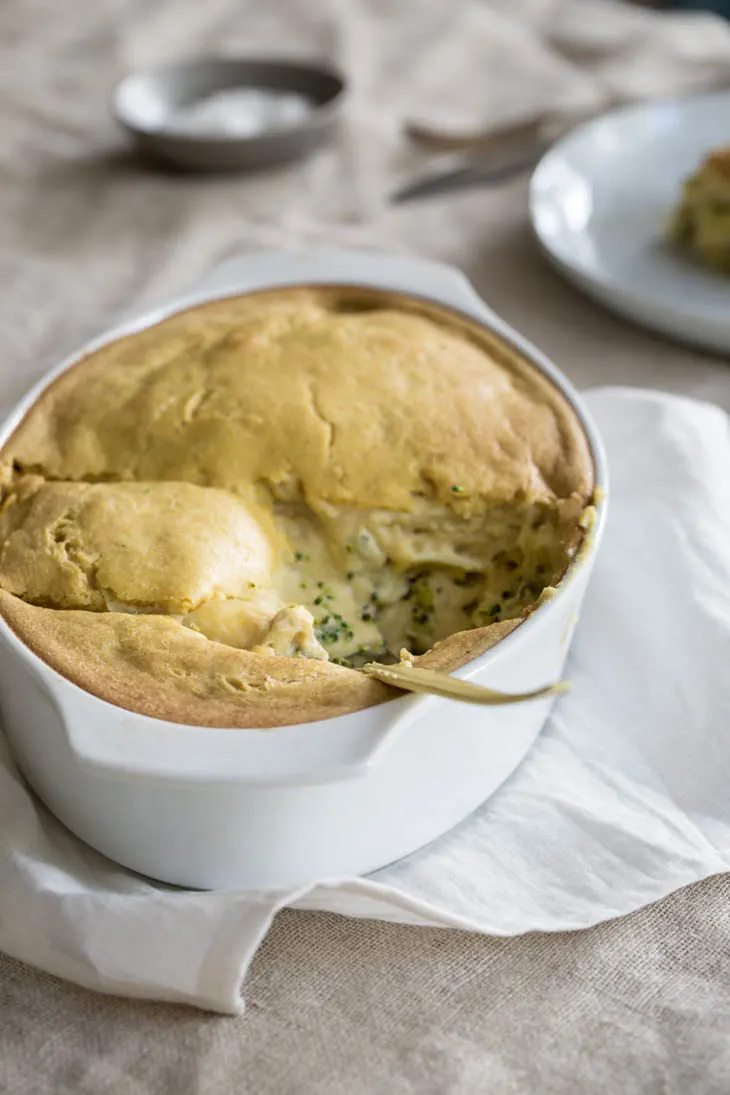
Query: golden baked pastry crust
(345, 402)
(190, 399)
(165, 546)
(153, 665)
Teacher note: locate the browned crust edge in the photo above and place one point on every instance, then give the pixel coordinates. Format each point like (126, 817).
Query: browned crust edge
(257, 699)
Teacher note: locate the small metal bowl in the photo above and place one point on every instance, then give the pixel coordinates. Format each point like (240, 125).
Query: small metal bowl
(144, 103)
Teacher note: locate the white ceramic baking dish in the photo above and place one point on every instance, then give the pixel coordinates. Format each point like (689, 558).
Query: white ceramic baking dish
(267, 808)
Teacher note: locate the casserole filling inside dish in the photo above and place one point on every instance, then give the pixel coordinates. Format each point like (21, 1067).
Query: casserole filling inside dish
(218, 519)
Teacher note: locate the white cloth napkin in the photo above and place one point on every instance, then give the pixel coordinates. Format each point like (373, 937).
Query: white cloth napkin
(623, 799)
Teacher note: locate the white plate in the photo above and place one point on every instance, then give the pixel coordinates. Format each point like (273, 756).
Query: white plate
(599, 203)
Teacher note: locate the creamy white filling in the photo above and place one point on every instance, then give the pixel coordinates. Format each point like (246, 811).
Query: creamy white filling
(351, 586)
(378, 582)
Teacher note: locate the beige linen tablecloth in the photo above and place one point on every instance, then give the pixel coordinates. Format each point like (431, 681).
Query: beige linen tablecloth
(334, 1006)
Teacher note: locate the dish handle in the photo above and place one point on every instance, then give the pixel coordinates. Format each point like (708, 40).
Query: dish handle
(328, 266)
(124, 744)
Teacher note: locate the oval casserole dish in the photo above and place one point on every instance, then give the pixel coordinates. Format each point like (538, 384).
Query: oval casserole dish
(141, 501)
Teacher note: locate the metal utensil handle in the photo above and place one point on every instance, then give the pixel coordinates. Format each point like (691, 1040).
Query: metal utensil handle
(479, 171)
(412, 679)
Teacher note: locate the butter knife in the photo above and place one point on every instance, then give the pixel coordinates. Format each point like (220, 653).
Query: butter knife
(485, 170)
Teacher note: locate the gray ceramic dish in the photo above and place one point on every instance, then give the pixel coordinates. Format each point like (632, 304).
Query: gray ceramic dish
(144, 102)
